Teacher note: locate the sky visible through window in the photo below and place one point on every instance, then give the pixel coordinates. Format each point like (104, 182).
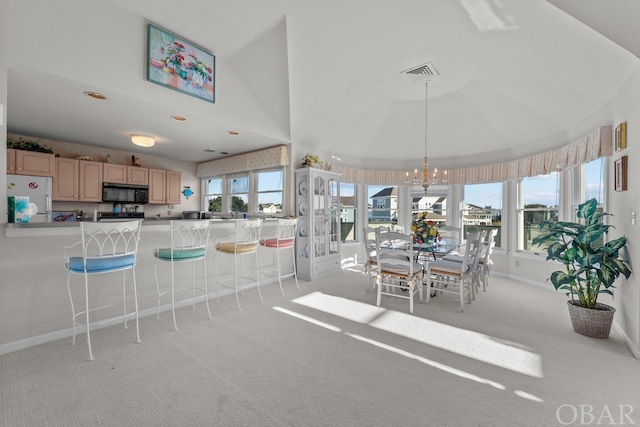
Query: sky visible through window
(484, 195)
(541, 190)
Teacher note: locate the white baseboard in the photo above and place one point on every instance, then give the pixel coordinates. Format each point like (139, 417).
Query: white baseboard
(632, 348)
(529, 281)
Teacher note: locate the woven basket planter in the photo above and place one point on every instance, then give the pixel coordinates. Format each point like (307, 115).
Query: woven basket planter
(595, 323)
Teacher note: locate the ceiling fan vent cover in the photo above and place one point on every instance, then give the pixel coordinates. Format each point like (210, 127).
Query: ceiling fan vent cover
(422, 73)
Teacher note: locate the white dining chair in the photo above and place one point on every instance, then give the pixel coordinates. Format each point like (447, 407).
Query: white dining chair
(484, 259)
(455, 277)
(371, 262)
(397, 268)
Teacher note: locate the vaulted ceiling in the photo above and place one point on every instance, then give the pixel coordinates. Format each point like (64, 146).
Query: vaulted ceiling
(516, 77)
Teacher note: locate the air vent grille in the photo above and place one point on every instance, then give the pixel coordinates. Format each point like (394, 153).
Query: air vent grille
(422, 73)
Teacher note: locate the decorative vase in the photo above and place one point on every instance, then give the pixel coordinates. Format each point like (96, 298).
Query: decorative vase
(198, 80)
(595, 323)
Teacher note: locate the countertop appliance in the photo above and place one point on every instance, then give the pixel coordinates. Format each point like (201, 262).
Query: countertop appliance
(191, 215)
(125, 193)
(119, 216)
(38, 189)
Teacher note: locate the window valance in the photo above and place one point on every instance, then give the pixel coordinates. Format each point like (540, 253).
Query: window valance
(591, 146)
(253, 160)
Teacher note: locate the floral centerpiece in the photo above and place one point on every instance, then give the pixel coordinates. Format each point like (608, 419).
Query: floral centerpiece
(424, 230)
(311, 161)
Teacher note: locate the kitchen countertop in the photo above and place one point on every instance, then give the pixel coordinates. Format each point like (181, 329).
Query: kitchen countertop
(35, 229)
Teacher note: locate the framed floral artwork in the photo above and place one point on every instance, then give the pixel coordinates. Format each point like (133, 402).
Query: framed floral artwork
(620, 174)
(621, 136)
(179, 64)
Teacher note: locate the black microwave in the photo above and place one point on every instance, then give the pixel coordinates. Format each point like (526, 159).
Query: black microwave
(125, 193)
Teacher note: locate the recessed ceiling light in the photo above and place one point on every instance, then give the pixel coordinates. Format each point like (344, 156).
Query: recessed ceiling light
(96, 95)
(232, 132)
(223, 152)
(209, 150)
(179, 118)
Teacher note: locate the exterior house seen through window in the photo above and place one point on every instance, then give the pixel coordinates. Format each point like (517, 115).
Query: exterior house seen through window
(348, 220)
(483, 209)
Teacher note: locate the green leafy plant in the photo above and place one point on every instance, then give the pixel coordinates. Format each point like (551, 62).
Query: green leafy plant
(28, 145)
(591, 265)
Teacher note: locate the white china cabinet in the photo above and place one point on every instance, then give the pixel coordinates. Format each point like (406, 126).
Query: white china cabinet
(318, 211)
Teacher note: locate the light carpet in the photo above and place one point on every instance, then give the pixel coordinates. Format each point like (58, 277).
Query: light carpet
(327, 356)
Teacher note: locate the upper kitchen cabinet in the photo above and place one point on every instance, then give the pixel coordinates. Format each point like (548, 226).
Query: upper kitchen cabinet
(122, 174)
(11, 161)
(164, 187)
(174, 184)
(77, 180)
(30, 163)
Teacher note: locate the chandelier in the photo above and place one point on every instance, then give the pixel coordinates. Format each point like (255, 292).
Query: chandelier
(425, 178)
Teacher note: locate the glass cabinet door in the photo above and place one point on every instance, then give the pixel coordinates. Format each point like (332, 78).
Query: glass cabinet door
(320, 216)
(334, 217)
(303, 213)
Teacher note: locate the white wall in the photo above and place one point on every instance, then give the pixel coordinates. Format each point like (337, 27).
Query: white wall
(626, 108)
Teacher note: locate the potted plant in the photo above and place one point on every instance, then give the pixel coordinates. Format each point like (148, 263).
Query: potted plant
(592, 266)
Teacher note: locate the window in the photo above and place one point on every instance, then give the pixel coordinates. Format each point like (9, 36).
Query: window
(382, 205)
(270, 185)
(483, 209)
(213, 195)
(590, 178)
(259, 192)
(538, 201)
(435, 205)
(239, 193)
(349, 227)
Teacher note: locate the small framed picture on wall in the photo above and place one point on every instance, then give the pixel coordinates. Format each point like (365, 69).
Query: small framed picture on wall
(620, 174)
(621, 136)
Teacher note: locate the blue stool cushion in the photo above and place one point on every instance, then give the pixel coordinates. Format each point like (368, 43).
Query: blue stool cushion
(180, 254)
(98, 265)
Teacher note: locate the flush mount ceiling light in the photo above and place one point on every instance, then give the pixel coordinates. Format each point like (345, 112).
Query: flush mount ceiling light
(143, 140)
(179, 118)
(95, 95)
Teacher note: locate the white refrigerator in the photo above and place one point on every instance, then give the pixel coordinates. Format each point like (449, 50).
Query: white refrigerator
(38, 189)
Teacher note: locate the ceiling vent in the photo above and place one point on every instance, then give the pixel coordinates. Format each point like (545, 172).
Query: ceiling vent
(422, 73)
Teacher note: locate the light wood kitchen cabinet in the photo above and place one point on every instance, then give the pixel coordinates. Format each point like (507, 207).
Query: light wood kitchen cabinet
(11, 161)
(174, 185)
(122, 174)
(32, 163)
(77, 180)
(164, 187)
(157, 186)
(90, 183)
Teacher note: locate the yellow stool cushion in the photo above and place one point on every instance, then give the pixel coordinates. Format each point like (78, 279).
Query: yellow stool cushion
(240, 248)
